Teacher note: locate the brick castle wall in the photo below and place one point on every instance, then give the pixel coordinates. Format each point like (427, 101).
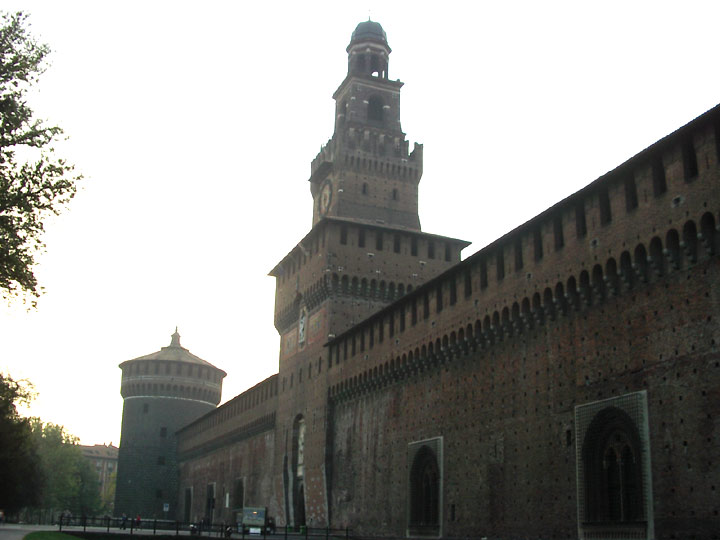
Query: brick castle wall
(611, 291)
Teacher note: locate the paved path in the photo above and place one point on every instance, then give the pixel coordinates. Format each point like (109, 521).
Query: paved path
(10, 531)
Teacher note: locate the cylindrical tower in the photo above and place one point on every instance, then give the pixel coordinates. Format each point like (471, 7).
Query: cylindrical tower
(162, 392)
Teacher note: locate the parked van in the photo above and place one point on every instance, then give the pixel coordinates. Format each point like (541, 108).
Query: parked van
(256, 521)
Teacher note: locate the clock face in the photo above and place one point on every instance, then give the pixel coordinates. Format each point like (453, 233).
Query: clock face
(325, 197)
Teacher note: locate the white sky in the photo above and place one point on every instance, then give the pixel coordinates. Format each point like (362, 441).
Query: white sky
(195, 124)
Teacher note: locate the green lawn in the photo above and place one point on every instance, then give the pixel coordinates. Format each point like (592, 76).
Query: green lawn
(50, 535)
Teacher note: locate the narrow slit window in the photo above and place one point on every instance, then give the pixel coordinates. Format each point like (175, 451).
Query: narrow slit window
(690, 164)
(500, 264)
(658, 177)
(538, 244)
(558, 233)
(518, 255)
(604, 203)
(580, 221)
(631, 198)
(343, 235)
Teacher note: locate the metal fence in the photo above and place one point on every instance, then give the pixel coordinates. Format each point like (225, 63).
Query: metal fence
(164, 527)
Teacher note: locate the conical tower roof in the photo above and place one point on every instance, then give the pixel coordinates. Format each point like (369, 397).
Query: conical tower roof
(175, 353)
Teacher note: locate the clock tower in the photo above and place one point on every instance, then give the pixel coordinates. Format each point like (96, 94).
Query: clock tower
(364, 251)
(365, 172)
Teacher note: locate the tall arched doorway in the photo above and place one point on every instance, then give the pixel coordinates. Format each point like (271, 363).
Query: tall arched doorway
(425, 489)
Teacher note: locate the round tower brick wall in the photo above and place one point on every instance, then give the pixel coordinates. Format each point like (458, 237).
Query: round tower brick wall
(162, 392)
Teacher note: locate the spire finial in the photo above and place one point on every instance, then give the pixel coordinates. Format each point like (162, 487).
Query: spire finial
(175, 339)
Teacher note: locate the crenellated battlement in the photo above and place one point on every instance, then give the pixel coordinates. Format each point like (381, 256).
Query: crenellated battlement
(244, 416)
(653, 217)
(371, 152)
(650, 263)
(321, 165)
(179, 387)
(400, 259)
(172, 372)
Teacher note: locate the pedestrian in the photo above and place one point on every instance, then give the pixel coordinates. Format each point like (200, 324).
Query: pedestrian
(137, 521)
(123, 521)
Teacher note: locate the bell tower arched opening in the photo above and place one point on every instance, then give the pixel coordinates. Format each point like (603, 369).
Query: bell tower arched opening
(375, 110)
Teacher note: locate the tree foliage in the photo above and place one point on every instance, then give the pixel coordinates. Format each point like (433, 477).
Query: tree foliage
(70, 481)
(21, 476)
(41, 465)
(34, 183)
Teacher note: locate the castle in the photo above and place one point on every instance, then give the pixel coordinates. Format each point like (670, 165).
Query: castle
(562, 382)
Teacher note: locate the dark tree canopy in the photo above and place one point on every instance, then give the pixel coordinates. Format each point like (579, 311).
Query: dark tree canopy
(34, 183)
(41, 464)
(20, 467)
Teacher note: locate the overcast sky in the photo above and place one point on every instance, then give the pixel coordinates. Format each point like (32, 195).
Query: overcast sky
(194, 125)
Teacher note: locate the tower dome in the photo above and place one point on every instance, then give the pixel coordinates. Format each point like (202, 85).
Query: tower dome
(368, 51)
(369, 31)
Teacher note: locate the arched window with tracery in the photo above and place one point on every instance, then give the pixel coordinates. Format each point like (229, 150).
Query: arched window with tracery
(613, 468)
(611, 457)
(425, 492)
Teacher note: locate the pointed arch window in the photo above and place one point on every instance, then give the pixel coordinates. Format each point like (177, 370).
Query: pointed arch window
(425, 493)
(614, 481)
(613, 472)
